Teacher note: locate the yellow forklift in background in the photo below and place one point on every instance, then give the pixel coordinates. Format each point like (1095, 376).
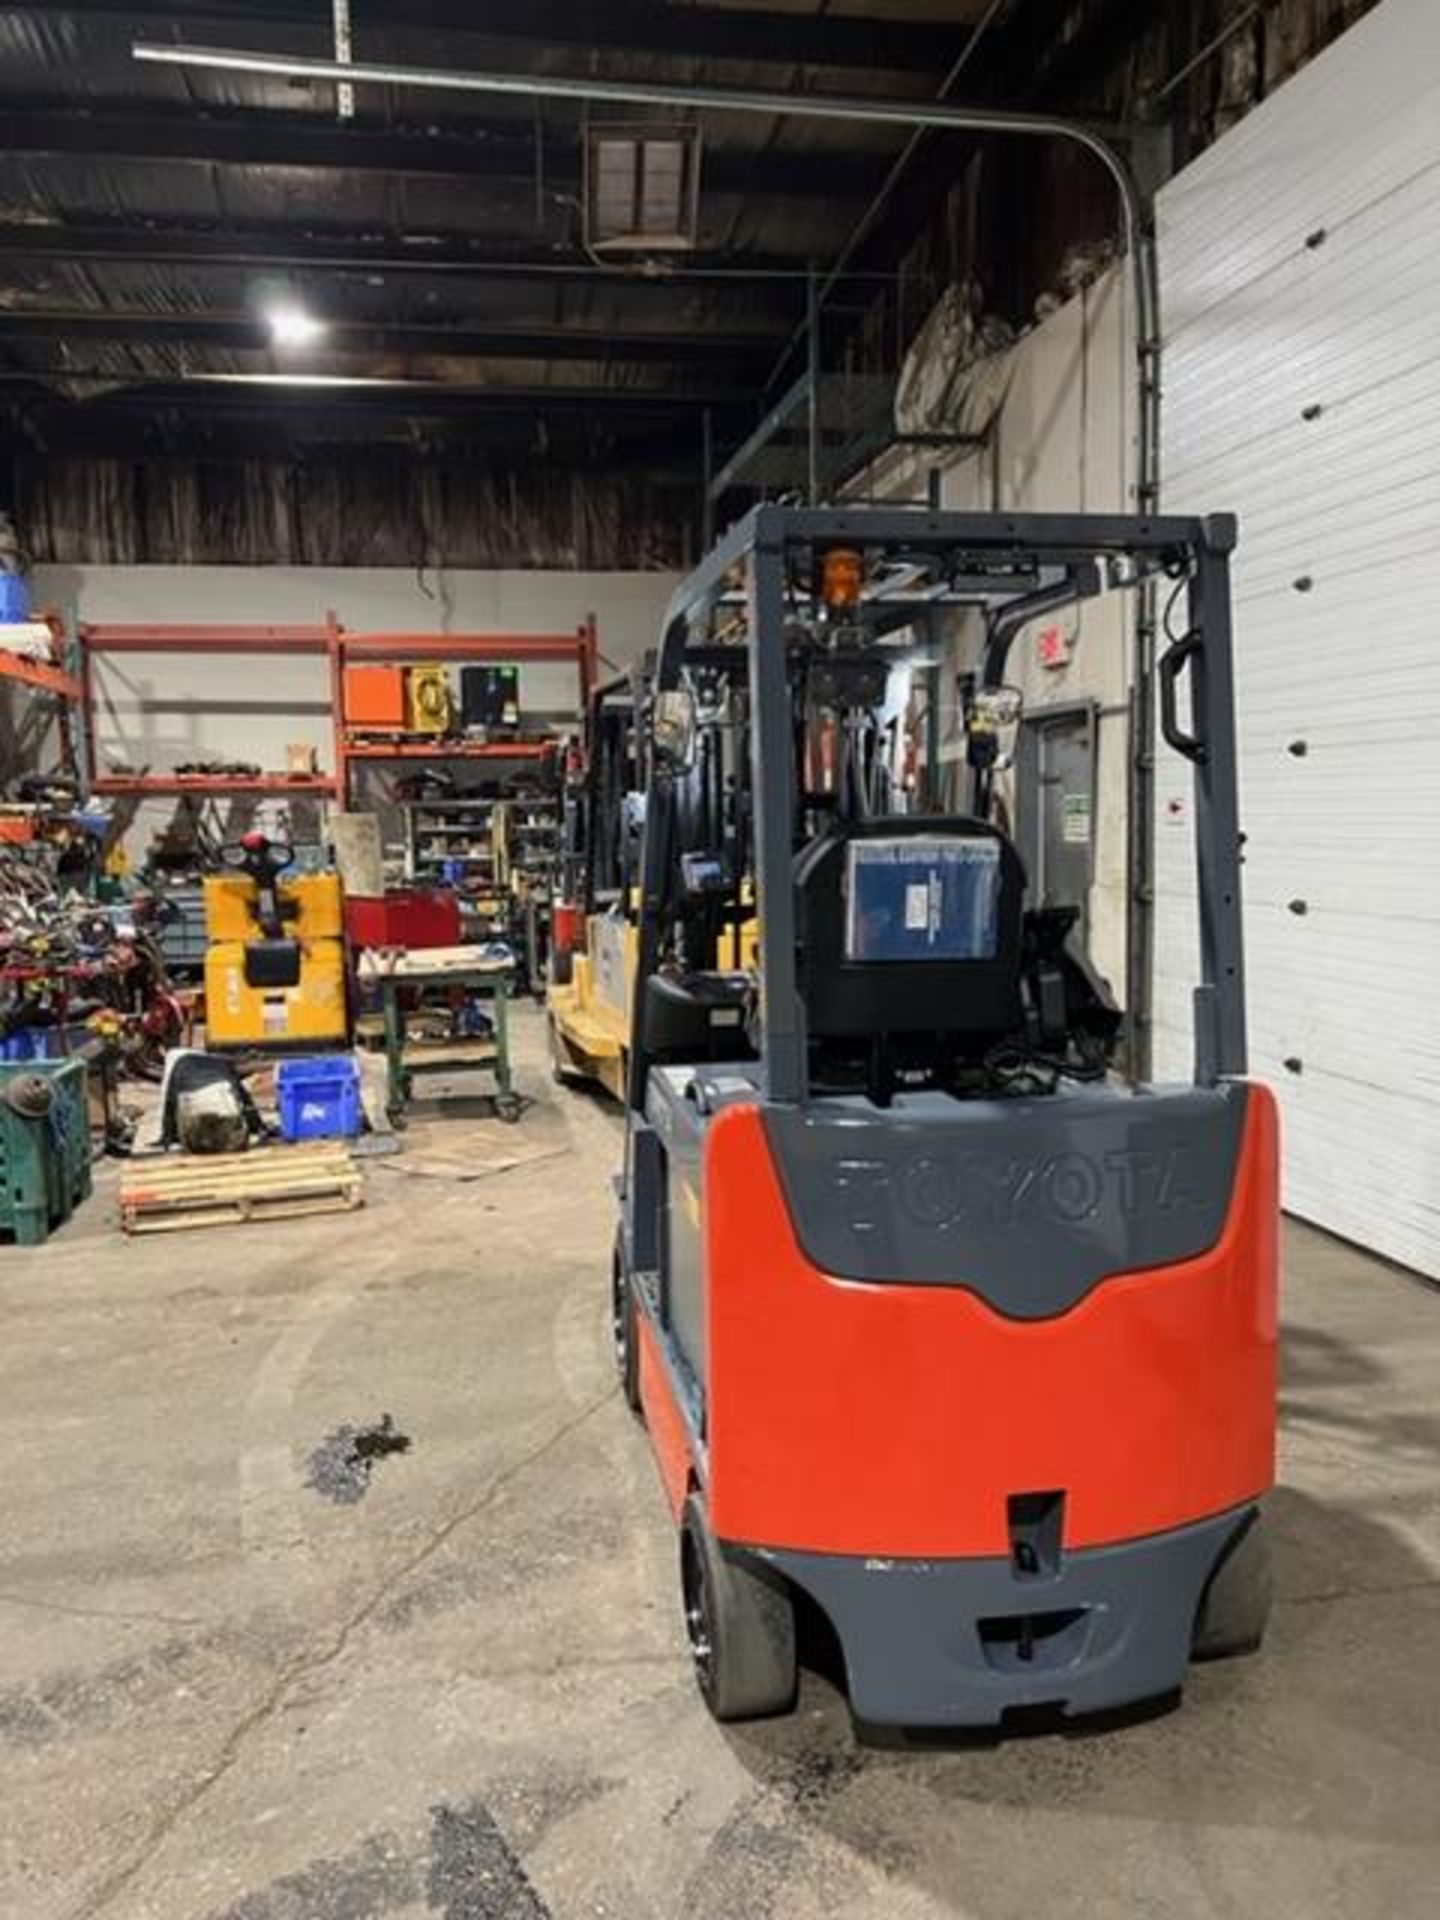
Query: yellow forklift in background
(592, 966)
(275, 958)
(597, 945)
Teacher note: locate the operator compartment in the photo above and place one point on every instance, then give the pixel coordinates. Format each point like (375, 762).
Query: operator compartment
(918, 966)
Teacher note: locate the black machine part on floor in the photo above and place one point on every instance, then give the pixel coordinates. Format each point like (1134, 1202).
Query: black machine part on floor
(30, 1095)
(190, 1071)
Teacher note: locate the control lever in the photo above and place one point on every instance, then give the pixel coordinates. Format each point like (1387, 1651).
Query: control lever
(264, 860)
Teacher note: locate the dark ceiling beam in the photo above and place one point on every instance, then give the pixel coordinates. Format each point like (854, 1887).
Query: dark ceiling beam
(660, 453)
(750, 34)
(138, 396)
(657, 447)
(263, 139)
(286, 247)
(242, 331)
(154, 243)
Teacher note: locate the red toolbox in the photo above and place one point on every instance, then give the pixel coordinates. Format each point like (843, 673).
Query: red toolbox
(406, 917)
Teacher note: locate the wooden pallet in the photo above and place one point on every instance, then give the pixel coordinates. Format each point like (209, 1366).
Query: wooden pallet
(227, 1189)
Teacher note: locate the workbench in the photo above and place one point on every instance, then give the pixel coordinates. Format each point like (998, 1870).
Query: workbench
(396, 972)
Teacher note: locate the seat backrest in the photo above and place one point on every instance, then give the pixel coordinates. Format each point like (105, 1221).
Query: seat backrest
(910, 924)
(699, 1017)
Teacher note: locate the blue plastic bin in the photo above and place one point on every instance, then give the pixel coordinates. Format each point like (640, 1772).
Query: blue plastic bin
(43, 1043)
(318, 1097)
(14, 597)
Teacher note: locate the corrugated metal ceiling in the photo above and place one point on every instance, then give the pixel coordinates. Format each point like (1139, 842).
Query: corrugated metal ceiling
(145, 171)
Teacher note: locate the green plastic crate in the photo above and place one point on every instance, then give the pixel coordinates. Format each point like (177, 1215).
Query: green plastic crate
(44, 1164)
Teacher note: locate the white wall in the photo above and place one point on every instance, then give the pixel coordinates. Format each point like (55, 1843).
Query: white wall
(1057, 409)
(1300, 261)
(388, 599)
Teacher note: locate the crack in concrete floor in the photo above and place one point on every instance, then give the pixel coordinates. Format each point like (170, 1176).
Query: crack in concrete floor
(106, 1891)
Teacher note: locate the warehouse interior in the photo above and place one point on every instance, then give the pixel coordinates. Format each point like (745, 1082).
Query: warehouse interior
(718, 1061)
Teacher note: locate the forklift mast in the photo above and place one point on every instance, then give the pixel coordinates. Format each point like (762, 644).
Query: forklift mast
(786, 690)
(604, 849)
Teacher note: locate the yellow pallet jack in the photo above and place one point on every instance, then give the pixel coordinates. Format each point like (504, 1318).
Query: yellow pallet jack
(275, 963)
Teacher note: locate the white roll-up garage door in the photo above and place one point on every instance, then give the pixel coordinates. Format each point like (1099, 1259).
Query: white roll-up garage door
(1300, 263)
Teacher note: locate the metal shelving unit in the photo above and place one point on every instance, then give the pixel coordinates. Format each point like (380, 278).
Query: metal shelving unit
(39, 676)
(168, 785)
(52, 678)
(348, 649)
(199, 640)
(466, 817)
(446, 750)
(533, 831)
(500, 854)
(339, 647)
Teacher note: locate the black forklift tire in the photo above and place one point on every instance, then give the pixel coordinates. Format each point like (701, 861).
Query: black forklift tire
(509, 1108)
(740, 1624)
(562, 967)
(624, 1332)
(1235, 1606)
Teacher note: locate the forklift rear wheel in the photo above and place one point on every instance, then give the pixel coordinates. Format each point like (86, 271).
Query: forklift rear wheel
(623, 1330)
(741, 1627)
(1236, 1604)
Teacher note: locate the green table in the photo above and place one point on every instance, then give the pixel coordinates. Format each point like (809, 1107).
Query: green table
(395, 972)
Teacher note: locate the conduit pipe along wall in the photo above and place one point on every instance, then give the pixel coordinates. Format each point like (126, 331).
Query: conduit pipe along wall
(1138, 226)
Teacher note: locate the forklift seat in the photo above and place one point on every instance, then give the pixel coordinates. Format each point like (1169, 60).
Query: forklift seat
(696, 1017)
(893, 940)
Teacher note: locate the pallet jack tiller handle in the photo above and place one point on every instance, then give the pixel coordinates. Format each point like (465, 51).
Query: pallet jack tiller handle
(1189, 651)
(264, 860)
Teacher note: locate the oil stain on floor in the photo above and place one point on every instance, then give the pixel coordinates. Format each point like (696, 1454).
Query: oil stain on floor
(341, 1466)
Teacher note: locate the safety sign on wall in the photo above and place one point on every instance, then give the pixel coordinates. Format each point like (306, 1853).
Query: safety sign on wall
(1075, 819)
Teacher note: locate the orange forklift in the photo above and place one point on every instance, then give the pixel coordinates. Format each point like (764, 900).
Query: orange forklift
(936, 1323)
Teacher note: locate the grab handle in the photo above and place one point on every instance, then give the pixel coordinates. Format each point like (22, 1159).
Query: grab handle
(1188, 652)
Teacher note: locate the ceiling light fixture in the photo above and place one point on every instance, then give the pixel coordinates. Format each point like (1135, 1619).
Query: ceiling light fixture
(292, 328)
(302, 380)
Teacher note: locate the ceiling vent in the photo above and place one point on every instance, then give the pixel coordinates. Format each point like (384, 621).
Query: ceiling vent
(642, 187)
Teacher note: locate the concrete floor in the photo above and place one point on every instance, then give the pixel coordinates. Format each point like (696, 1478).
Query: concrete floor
(223, 1697)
